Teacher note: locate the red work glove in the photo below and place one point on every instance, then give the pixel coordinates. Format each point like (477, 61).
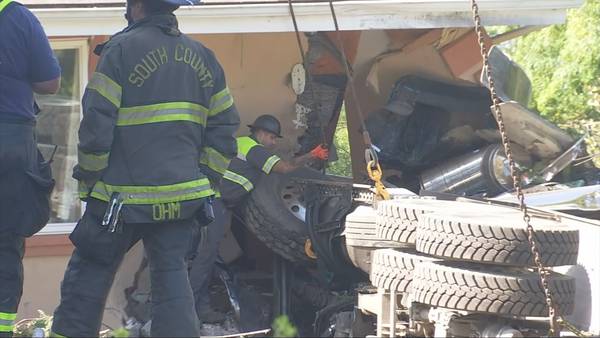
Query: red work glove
(320, 152)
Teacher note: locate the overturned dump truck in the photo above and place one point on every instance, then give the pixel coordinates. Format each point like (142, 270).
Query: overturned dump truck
(445, 251)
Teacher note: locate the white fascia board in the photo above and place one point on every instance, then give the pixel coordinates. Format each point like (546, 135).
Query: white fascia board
(57, 229)
(316, 16)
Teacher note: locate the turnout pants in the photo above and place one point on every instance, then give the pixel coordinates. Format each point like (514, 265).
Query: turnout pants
(203, 264)
(24, 208)
(12, 248)
(95, 260)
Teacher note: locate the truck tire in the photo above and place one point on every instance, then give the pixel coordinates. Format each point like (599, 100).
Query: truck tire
(498, 237)
(360, 224)
(490, 289)
(393, 270)
(360, 234)
(398, 219)
(360, 229)
(360, 256)
(269, 217)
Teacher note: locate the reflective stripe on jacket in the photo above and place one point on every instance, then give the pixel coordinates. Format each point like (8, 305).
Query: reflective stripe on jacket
(3, 4)
(158, 123)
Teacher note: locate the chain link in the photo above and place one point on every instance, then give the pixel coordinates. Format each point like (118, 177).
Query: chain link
(375, 173)
(371, 159)
(516, 177)
(572, 328)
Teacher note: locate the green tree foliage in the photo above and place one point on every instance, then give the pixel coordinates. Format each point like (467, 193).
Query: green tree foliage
(563, 62)
(343, 165)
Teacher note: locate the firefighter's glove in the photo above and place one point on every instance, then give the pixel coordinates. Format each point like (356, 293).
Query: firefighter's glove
(320, 152)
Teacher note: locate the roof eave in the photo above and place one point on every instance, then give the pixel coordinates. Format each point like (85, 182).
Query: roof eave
(316, 16)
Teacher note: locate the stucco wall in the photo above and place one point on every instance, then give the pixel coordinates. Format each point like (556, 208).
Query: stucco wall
(42, 283)
(257, 67)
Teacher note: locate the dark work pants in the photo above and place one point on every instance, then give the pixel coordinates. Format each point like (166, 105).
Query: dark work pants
(18, 154)
(93, 265)
(203, 264)
(12, 248)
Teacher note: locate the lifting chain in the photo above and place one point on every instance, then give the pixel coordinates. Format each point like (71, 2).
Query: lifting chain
(572, 328)
(555, 319)
(375, 173)
(371, 159)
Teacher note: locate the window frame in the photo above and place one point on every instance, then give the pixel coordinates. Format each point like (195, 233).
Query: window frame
(83, 49)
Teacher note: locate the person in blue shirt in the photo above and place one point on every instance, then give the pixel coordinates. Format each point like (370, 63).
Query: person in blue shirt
(27, 66)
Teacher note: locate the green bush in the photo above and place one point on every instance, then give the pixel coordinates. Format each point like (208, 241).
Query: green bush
(343, 165)
(25, 327)
(282, 327)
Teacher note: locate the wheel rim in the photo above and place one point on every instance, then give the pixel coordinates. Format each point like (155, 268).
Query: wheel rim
(292, 198)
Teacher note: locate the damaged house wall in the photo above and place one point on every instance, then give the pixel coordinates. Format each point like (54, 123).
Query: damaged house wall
(321, 101)
(257, 67)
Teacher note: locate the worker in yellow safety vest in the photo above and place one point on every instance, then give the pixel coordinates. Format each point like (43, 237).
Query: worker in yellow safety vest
(254, 158)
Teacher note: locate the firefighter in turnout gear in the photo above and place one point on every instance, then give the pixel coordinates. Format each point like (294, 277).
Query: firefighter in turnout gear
(156, 135)
(254, 158)
(27, 66)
